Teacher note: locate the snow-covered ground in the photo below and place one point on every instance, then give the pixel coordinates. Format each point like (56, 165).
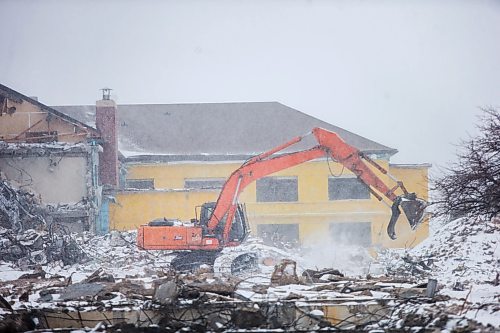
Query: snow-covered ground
(462, 255)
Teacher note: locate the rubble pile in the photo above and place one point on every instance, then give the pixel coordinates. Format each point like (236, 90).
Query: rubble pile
(420, 316)
(200, 302)
(460, 252)
(120, 287)
(19, 209)
(118, 253)
(463, 255)
(25, 238)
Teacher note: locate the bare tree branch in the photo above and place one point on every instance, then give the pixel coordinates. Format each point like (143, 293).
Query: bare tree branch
(471, 186)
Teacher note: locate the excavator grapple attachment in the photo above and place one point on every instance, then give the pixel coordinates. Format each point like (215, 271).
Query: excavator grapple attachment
(414, 209)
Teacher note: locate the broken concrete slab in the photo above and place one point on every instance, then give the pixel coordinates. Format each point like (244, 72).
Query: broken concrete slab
(166, 293)
(99, 276)
(224, 288)
(81, 291)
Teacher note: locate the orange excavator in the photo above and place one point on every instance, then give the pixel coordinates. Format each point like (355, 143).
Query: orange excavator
(224, 223)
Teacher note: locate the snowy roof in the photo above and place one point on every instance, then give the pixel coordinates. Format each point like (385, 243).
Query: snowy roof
(212, 131)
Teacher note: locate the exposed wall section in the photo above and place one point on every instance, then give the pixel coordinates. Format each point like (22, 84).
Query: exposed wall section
(23, 119)
(62, 176)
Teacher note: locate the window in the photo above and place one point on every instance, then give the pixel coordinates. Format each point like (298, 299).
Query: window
(347, 188)
(352, 233)
(140, 184)
(40, 137)
(204, 183)
(277, 189)
(279, 234)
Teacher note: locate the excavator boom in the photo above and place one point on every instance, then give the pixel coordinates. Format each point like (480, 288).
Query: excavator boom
(330, 145)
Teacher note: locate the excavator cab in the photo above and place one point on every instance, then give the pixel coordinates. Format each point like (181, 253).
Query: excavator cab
(239, 229)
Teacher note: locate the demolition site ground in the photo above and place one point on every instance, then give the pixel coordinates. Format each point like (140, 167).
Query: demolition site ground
(54, 281)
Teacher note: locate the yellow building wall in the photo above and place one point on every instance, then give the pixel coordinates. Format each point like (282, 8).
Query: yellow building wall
(30, 117)
(313, 212)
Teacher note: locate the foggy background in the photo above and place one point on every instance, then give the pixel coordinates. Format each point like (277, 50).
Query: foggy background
(407, 74)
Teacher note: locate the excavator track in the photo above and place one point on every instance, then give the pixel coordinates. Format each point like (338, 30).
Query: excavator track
(236, 263)
(192, 260)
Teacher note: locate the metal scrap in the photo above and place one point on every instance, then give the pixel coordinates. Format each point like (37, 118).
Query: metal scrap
(19, 209)
(285, 273)
(25, 237)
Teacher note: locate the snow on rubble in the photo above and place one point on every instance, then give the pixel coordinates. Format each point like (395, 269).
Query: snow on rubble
(293, 288)
(459, 252)
(463, 255)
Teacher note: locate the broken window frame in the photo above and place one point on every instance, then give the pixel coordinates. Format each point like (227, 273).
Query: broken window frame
(145, 184)
(277, 189)
(354, 189)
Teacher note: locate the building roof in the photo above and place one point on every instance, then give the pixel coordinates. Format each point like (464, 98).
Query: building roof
(18, 97)
(213, 131)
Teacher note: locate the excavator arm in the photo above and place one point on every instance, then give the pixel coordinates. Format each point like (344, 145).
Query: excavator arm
(330, 145)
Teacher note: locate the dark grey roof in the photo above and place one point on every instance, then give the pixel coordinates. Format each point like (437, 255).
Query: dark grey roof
(208, 131)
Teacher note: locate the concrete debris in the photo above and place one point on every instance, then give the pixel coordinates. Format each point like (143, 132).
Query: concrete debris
(248, 317)
(460, 252)
(19, 209)
(25, 237)
(80, 291)
(215, 286)
(327, 274)
(38, 247)
(124, 288)
(99, 276)
(41, 149)
(166, 293)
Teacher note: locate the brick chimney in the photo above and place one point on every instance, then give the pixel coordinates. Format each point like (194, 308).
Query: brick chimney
(106, 123)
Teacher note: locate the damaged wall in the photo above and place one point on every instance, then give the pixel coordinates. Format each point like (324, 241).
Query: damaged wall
(56, 179)
(52, 155)
(62, 176)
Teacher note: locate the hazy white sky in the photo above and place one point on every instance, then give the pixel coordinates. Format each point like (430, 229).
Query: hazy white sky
(408, 74)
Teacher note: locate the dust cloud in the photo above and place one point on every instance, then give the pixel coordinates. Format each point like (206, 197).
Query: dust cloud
(323, 251)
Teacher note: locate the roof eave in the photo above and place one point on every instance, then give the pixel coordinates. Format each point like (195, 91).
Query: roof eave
(159, 158)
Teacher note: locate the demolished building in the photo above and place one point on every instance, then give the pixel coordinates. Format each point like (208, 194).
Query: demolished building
(52, 156)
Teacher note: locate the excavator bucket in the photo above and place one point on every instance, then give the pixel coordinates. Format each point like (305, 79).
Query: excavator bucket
(414, 209)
